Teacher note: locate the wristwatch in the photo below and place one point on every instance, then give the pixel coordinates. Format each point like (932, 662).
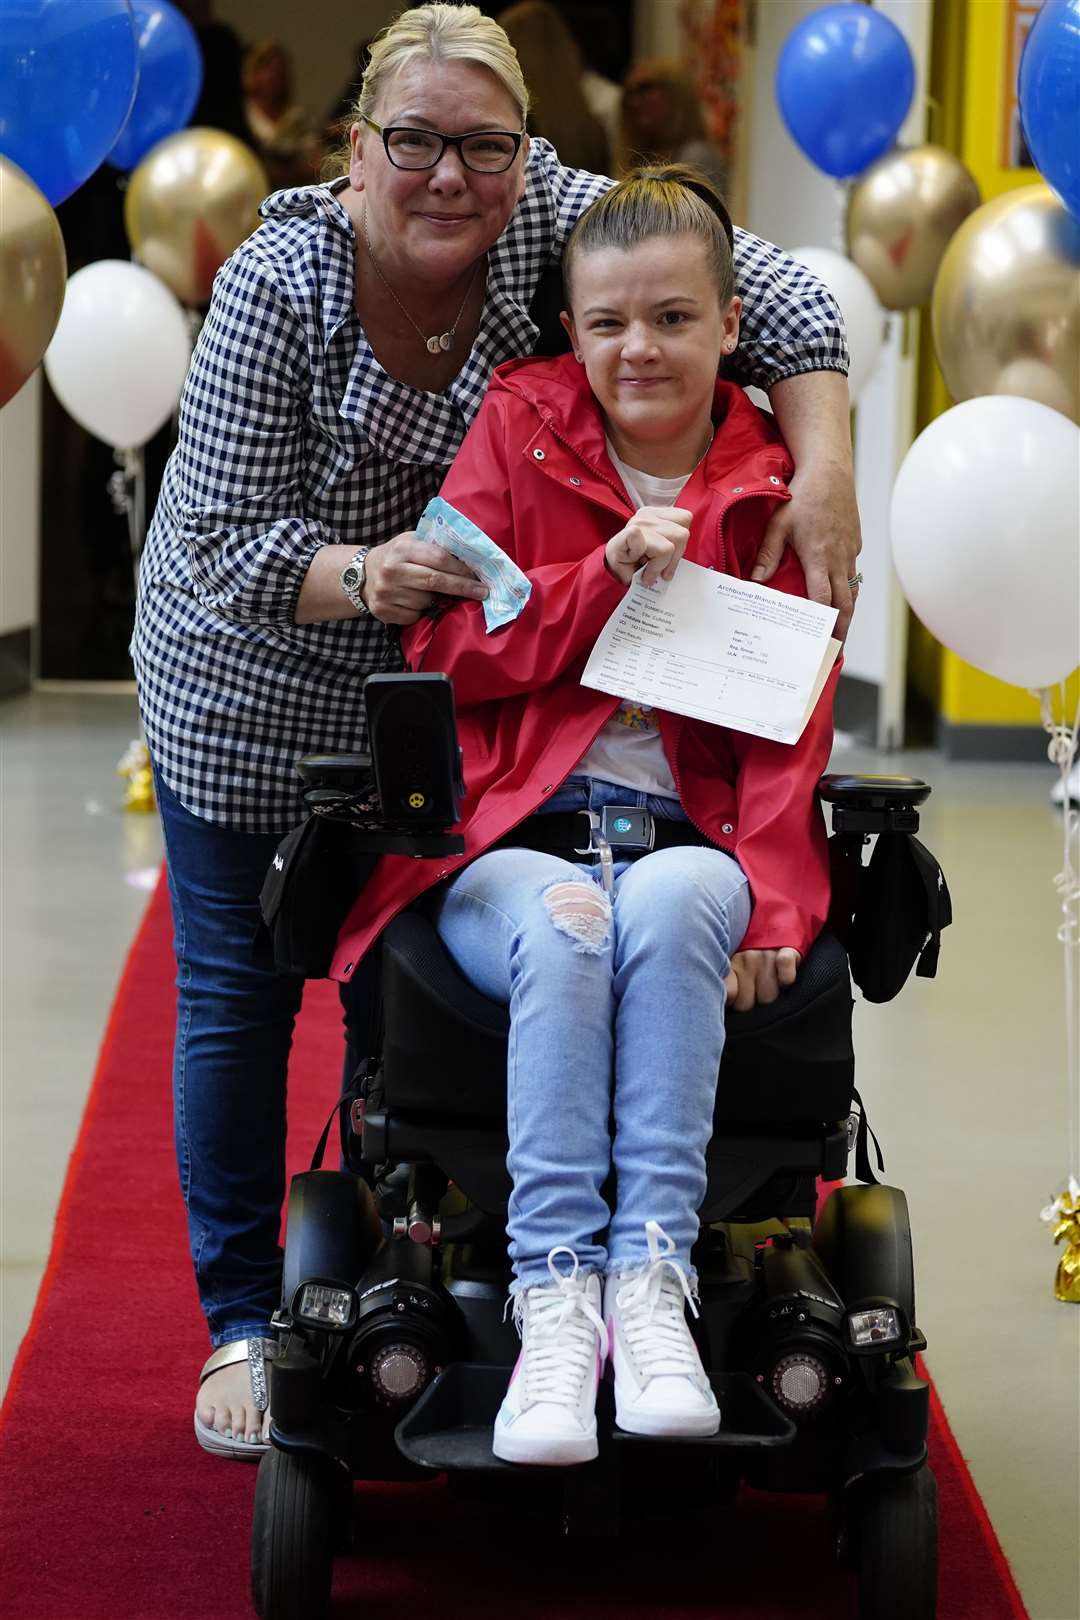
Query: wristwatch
(352, 579)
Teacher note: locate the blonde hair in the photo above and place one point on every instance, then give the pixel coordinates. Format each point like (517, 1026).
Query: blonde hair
(551, 63)
(670, 199)
(685, 122)
(437, 33)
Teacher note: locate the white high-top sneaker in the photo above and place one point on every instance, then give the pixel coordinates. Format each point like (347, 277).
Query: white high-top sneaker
(548, 1415)
(660, 1384)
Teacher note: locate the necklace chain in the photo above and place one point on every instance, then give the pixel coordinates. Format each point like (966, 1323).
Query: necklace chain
(438, 343)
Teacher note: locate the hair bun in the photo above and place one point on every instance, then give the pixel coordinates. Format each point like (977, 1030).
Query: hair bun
(695, 180)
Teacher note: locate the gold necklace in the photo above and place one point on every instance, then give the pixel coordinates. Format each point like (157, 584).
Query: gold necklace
(437, 343)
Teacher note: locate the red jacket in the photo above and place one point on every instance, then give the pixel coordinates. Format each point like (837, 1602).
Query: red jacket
(534, 475)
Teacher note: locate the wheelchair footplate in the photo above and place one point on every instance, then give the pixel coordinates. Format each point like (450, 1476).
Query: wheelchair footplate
(748, 1420)
(449, 1428)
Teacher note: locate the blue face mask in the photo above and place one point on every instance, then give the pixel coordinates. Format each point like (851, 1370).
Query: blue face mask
(508, 588)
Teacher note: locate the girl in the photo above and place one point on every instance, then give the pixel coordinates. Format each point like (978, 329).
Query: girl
(626, 454)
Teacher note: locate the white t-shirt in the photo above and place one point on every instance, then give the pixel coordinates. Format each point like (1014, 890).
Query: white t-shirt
(630, 750)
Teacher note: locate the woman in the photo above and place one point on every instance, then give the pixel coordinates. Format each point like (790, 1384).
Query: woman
(662, 118)
(347, 349)
(282, 129)
(615, 984)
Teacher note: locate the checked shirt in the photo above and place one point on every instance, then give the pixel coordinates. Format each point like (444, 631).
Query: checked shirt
(292, 437)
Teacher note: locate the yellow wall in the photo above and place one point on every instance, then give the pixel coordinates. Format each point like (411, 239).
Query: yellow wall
(968, 89)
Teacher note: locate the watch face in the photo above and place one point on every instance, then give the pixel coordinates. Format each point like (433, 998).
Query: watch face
(350, 577)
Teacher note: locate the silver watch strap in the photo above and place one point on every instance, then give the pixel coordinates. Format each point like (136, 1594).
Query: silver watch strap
(352, 579)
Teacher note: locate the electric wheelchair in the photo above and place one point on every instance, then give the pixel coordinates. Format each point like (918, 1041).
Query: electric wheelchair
(393, 1346)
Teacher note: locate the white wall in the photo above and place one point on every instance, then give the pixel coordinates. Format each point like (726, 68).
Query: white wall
(790, 200)
(657, 29)
(20, 507)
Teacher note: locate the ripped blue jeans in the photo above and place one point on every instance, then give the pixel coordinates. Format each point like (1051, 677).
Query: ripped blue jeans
(616, 1013)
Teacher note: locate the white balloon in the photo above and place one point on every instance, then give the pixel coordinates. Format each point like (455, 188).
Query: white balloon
(863, 315)
(120, 353)
(986, 536)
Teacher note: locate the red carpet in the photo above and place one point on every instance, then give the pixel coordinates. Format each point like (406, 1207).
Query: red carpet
(108, 1511)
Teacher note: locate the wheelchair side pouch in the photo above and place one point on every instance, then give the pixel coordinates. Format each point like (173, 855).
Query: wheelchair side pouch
(902, 905)
(314, 877)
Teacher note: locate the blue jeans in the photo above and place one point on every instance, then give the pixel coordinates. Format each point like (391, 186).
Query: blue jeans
(616, 1011)
(234, 1027)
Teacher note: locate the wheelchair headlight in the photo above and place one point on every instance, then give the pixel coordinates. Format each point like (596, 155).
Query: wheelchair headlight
(877, 1326)
(325, 1305)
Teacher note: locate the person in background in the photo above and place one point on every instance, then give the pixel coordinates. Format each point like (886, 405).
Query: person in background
(662, 121)
(221, 99)
(551, 63)
(287, 142)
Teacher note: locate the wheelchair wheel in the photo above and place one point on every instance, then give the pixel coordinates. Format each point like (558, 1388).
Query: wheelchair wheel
(893, 1534)
(292, 1552)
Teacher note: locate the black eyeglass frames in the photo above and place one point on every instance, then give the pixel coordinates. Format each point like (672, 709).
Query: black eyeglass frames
(485, 151)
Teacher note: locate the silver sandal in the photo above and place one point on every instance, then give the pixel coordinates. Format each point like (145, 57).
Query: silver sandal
(256, 1352)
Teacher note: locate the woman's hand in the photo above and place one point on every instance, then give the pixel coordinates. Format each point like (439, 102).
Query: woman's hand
(406, 576)
(655, 536)
(821, 520)
(821, 523)
(758, 976)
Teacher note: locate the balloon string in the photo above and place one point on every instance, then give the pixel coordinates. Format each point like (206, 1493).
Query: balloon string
(127, 487)
(842, 192)
(1062, 751)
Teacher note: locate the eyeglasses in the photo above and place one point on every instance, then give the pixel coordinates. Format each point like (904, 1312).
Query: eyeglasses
(486, 151)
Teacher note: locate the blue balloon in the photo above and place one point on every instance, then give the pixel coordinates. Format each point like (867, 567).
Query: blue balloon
(170, 78)
(67, 78)
(1049, 92)
(844, 82)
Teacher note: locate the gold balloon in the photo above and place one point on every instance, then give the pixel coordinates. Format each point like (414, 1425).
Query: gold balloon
(901, 216)
(191, 201)
(33, 274)
(1006, 306)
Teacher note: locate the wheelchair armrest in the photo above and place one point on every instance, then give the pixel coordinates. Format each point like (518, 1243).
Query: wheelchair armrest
(874, 804)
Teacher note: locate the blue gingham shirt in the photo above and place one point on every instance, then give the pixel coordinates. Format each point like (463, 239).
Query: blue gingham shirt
(292, 437)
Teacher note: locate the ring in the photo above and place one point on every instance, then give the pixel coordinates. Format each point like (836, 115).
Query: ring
(854, 582)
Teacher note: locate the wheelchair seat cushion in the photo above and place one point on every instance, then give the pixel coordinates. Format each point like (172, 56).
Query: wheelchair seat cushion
(790, 1062)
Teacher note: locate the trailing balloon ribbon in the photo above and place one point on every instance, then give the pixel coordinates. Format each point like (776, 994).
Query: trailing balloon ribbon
(127, 489)
(1064, 1213)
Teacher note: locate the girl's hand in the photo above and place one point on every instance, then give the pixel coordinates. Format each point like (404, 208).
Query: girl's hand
(655, 536)
(758, 975)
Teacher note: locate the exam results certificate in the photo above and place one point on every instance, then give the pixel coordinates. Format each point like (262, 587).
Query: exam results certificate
(718, 649)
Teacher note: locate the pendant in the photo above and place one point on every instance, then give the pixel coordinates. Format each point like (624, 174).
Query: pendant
(446, 340)
(435, 345)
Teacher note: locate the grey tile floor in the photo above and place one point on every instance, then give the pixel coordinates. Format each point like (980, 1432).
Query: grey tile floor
(964, 1078)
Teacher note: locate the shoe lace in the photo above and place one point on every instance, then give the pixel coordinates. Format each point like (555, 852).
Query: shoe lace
(565, 1331)
(652, 1311)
